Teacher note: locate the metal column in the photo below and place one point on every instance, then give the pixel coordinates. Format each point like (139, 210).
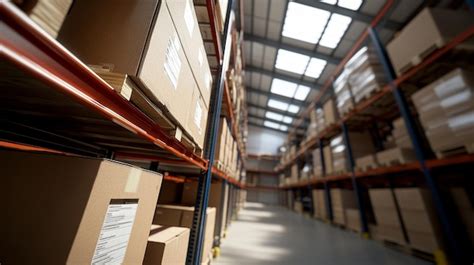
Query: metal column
(355, 184)
(327, 191)
(456, 239)
(199, 217)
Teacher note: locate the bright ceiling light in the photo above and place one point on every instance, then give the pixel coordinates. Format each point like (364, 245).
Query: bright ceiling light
(336, 28)
(350, 4)
(293, 108)
(283, 88)
(304, 23)
(283, 128)
(271, 124)
(273, 116)
(291, 61)
(277, 104)
(287, 119)
(315, 67)
(302, 92)
(331, 2)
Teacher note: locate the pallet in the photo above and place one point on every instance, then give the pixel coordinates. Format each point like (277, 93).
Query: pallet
(464, 149)
(366, 96)
(395, 156)
(130, 91)
(407, 249)
(417, 59)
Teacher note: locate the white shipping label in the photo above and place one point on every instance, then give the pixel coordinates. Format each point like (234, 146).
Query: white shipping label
(115, 233)
(208, 80)
(173, 63)
(188, 18)
(198, 116)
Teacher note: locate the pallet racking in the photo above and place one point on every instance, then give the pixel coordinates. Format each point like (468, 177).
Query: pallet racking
(54, 103)
(405, 174)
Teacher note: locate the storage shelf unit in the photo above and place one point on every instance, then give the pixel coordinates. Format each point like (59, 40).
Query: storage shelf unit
(52, 102)
(362, 114)
(56, 75)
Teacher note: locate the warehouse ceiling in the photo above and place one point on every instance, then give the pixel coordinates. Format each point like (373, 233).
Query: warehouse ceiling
(292, 47)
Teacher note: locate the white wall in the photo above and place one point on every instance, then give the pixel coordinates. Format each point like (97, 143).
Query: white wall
(262, 140)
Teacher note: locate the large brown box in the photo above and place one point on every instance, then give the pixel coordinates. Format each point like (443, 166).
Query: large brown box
(328, 160)
(64, 209)
(342, 200)
(429, 30)
(388, 222)
(330, 112)
(221, 144)
(184, 18)
(136, 38)
(217, 190)
(175, 215)
(420, 219)
(169, 193)
(167, 245)
(196, 121)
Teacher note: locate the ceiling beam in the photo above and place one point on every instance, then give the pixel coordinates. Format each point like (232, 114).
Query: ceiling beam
(291, 48)
(312, 85)
(275, 96)
(355, 15)
(292, 115)
(300, 133)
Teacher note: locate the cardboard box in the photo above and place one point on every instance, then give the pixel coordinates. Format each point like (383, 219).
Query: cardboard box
(330, 112)
(215, 200)
(221, 141)
(298, 207)
(353, 219)
(136, 38)
(197, 119)
(465, 209)
(48, 14)
(184, 18)
(294, 172)
(429, 30)
(170, 192)
(175, 215)
(167, 245)
(328, 162)
(76, 204)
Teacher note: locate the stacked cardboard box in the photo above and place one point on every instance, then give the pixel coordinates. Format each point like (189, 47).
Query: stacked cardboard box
(344, 96)
(294, 173)
(170, 192)
(317, 165)
(445, 109)
(365, 73)
(48, 14)
(163, 39)
(82, 207)
(319, 204)
(420, 219)
(328, 160)
(182, 216)
(402, 152)
(298, 207)
(430, 29)
(361, 145)
(167, 245)
(342, 200)
(330, 112)
(353, 219)
(389, 227)
(218, 198)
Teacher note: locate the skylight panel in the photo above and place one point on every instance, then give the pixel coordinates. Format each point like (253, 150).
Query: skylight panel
(291, 61)
(315, 67)
(283, 128)
(304, 23)
(271, 124)
(302, 92)
(350, 4)
(277, 104)
(287, 119)
(331, 2)
(274, 116)
(293, 108)
(283, 88)
(336, 28)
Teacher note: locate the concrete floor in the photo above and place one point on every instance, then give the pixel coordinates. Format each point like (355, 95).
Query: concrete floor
(274, 235)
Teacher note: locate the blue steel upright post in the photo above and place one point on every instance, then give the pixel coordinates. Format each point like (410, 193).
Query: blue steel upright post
(355, 184)
(455, 238)
(196, 236)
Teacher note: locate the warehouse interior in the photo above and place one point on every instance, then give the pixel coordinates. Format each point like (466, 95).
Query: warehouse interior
(237, 132)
